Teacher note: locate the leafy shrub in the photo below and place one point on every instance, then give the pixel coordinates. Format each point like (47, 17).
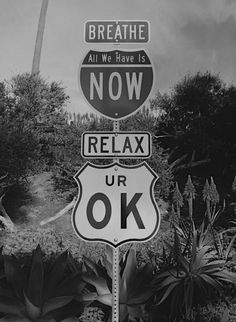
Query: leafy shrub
(25, 240)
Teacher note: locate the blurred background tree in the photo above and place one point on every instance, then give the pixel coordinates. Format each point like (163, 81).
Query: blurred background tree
(197, 128)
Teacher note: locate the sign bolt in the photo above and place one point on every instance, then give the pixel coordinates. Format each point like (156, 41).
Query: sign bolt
(116, 240)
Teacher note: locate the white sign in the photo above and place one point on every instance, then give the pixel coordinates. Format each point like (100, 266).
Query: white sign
(116, 203)
(116, 144)
(122, 31)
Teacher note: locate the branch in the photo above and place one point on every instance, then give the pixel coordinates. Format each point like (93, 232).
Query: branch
(191, 165)
(3, 177)
(177, 161)
(4, 218)
(59, 214)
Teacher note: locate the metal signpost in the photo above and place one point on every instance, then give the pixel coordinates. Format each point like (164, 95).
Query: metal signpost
(116, 203)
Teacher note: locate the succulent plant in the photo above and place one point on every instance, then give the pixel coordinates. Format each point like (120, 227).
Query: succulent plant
(133, 295)
(192, 278)
(38, 292)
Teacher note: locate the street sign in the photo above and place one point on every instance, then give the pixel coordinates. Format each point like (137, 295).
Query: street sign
(122, 31)
(116, 204)
(116, 145)
(116, 83)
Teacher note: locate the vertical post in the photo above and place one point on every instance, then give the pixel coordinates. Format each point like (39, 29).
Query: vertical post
(115, 271)
(115, 286)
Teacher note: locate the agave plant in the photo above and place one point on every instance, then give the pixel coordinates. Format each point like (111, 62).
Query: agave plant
(192, 279)
(39, 293)
(134, 287)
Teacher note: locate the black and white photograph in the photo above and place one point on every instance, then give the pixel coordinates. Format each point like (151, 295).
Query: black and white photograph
(118, 161)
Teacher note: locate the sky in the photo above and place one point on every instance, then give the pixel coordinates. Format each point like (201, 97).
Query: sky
(186, 36)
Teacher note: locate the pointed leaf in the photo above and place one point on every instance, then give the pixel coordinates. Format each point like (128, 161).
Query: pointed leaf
(11, 306)
(168, 291)
(230, 246)
(226, 276)
(36, 278)
(184, 263)
(167, 281)
(135, 311)
(73, 308)
(123, 312)
(54, 277)
(33, 311)
(70, 286)
(88, 297)
(15, 275)
(98, 282)
(55, 303)
(92, 265)
(140, 292)
(194, 248)
(129, 274)
(105, 299)
(211, 281)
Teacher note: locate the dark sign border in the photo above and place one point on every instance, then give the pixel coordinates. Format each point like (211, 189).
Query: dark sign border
(112, 156)
(147, 39)
(155, 177)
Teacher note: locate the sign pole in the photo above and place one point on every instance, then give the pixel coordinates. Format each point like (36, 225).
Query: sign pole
(115, 266)
(115, 285)
(124, 89)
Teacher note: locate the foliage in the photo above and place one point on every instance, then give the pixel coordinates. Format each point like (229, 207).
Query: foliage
(135, 287)
(38, 292)
(30, 109)
(197, 127)
(25, 240)
(194, 277)
(132, 295)
(226, 242)
(177, 199)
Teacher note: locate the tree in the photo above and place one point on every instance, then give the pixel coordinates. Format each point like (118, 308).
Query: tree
(31, 118)
(31, 111)
(197, 126)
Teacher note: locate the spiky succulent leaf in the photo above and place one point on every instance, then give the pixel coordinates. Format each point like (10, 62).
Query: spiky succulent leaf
(74, 308)
(15, 276)
(140, 292)
(128, 275)
(55, 303)
(36, 278)
(55, 275)
(98, 282)
(32, 311)
(11, 306)
(71, 285)
(12, 318)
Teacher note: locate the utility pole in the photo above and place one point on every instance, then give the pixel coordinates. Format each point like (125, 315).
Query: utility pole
(39, 38)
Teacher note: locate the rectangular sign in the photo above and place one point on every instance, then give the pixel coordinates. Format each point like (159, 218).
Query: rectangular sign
(122, 31)
(116, 145)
